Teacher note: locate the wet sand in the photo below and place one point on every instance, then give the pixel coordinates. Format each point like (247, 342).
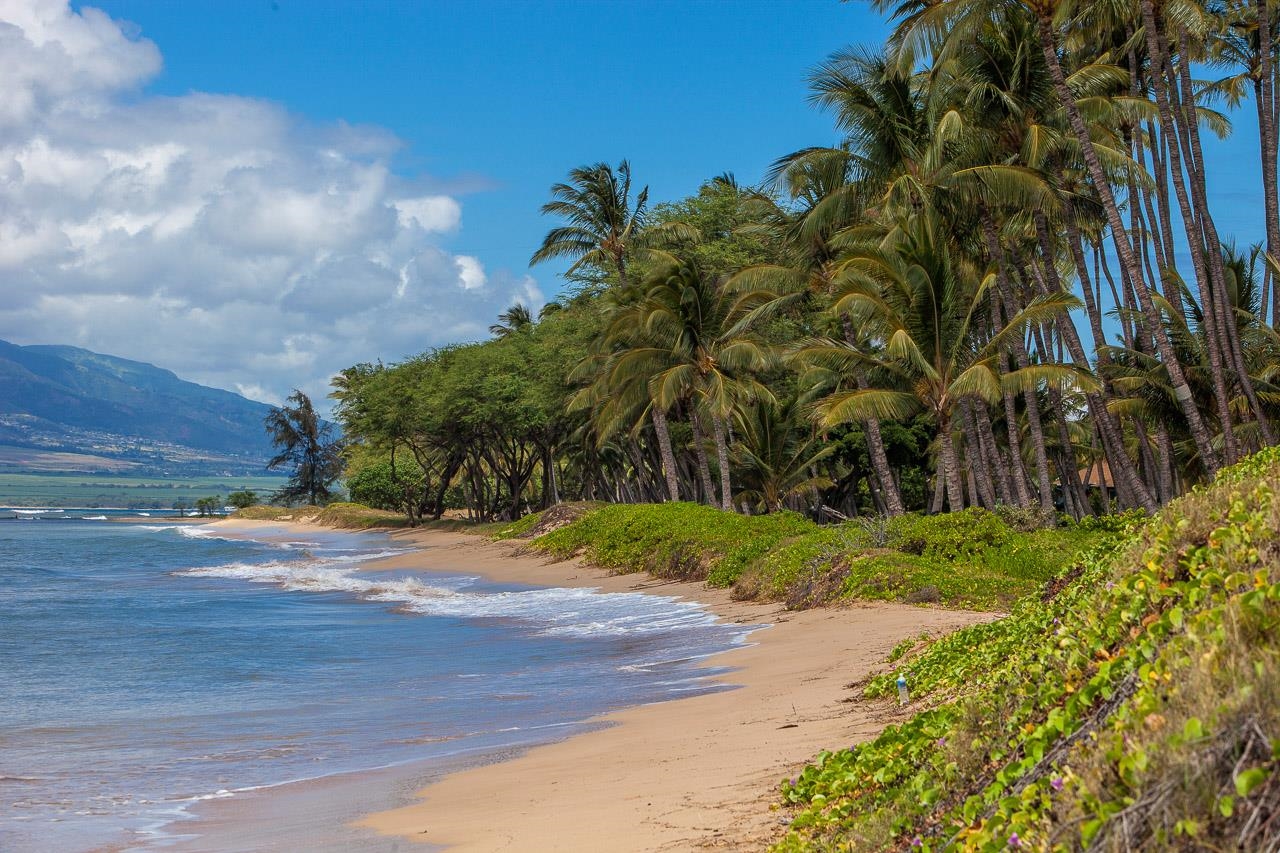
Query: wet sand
(687, 774)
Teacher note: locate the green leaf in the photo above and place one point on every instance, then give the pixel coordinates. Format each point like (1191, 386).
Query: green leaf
(1226, 806)
(1193, 729)
(1250, 779)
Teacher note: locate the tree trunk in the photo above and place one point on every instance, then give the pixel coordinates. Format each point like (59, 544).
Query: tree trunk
(722, 458)
(1007, 302)
(889, 492)
(950, 468)
(975, 455)
(1200, 197)
(1264, 90)
(991, 453)
(700, 451)
(1183, 393)
(1193, 224)
(1113, 442)
(659, 418)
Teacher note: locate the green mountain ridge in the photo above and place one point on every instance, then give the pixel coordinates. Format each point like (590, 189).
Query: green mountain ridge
(68, 399)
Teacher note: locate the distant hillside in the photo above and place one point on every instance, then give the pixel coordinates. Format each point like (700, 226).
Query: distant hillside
(109, 412)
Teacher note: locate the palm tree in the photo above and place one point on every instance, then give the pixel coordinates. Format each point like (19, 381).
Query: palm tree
(949, 25)
(515, 319)
(924, 300)
(710, 361)
(602, 220)
(776, 462)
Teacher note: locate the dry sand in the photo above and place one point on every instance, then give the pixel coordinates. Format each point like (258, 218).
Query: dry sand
(688, 774)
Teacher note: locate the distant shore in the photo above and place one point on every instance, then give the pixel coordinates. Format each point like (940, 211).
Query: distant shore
(700, 772)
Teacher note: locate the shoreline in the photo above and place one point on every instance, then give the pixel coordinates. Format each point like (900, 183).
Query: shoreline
(709, 764)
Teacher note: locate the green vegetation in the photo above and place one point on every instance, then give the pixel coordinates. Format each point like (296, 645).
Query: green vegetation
(894, 320)
(109, 490)
(307, 447)
(970, 559)
(1134, 705)
(677, 540)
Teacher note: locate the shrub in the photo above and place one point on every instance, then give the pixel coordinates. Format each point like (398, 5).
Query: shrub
(947, 536)
(678, 540)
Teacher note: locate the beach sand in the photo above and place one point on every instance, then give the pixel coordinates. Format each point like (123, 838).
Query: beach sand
(688, 774)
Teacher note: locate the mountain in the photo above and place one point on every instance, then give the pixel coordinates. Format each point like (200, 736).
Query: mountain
(66, 400)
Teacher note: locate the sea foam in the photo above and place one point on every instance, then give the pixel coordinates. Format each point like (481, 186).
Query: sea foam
(553, 611)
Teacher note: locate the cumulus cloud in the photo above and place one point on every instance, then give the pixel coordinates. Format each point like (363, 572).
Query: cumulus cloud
(219, 236)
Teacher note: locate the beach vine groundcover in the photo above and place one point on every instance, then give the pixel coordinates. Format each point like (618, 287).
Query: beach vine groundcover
(1135, 704)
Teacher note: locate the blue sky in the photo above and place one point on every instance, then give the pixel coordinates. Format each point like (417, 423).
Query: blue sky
(257, 194)
(497, 100)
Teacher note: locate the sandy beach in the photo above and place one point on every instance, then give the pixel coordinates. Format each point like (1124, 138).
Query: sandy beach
(694, 773)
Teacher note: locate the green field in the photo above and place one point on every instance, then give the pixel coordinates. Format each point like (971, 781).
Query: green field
(107, 490)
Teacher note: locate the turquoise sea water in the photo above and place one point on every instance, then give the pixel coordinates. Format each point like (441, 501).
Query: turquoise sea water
(145, 668)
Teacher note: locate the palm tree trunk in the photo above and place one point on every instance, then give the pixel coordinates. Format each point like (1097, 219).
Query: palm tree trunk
(1018, 471)
(1193, 224)
(1200, 197)
(991, 453)
(1035, 424)
(700, 450)
(1264, 91)
(722, 457)
(1113, 442)
(659, 418)
(875, 442)
(939, 491)
(974, 454)
(1165, 484)
(1006, 301)
(1182, 391)
(950, 466)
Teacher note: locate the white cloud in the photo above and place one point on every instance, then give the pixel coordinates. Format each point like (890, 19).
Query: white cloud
(215, 235)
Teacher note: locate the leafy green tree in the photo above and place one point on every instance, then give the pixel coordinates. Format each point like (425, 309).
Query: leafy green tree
(242, 499)
(208, 506)
(308, 447)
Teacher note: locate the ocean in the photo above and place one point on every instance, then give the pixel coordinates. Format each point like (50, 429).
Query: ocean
(146, 668)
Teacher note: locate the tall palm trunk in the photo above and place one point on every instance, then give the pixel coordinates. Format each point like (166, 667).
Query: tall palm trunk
(950, 467)
(1200, 197)
(659, 418)
(700, 451)
(975, 455)
(991, 453)
(880, 460)
(1182, 391)
(722, 458)
(1264, 94)
(1006, 301)
(1192, 224)
(1122, 468)
(889, 492)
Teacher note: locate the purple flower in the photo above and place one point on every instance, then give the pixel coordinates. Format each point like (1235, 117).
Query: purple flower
(941, 742)
(1015, 841)
(1056, 783)
(917, 843)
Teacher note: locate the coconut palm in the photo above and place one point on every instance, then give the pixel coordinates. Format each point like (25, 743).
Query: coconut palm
(513, 320)
(602, 220)
(710, 361)
(924, 300)
(776, 462)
